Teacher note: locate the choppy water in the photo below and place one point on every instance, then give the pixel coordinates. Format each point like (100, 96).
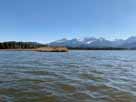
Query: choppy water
(76, 76)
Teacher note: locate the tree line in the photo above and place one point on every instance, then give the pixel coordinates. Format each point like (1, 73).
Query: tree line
(20, 45)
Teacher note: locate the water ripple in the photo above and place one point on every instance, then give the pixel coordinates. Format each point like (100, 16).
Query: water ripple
(76, 76)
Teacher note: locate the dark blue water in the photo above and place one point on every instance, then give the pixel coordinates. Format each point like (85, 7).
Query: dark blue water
(75, 76)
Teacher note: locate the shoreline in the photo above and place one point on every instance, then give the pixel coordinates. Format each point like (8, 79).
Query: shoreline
(63, 50)
(42, 49)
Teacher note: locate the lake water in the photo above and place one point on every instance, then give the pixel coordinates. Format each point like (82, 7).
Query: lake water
(75, 76)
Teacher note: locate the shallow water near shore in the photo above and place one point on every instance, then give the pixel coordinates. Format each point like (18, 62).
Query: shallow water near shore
(74, 76)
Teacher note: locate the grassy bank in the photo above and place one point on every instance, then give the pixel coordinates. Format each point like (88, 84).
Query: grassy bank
(40, 49)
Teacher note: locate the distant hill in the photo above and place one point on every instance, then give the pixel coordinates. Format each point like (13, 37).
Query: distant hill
(95, 43)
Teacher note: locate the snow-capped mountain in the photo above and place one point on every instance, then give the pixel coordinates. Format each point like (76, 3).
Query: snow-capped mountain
(130, 43)
(92, 42)
(67, 43)
(118, 42)
(99, 43)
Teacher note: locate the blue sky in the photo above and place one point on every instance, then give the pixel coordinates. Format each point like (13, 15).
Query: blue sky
(48, 20)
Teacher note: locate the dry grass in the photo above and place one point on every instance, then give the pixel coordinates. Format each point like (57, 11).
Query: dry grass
(51, 49)
(42, 49)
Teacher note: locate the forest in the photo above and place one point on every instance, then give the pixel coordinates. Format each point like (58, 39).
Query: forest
(20, 45)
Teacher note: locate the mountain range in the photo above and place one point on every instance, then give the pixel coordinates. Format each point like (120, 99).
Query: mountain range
(91, 42)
